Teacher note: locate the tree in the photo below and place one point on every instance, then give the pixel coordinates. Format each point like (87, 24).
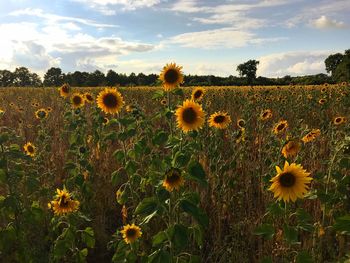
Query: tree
(53, 77)
(248, 69)
(342, 72)
(22, 77)
(6, 78)
(111, 78)
(332, 62)
(96, 78)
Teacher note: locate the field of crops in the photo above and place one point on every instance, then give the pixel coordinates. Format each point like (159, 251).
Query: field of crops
(175, 174)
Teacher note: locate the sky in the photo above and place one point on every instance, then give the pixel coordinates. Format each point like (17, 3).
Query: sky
(288, 37)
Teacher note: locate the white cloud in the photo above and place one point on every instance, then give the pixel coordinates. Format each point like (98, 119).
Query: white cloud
(40, 47)
(218, 38)
(104, 6)
(53, 19)
(324, 22)
(292, 63)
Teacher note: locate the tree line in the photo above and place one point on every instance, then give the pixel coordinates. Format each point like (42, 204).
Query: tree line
(338, 65)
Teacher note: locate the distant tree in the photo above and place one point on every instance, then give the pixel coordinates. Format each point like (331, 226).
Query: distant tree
(6, 78)
(96, 78)
(111, 78)
(332, 62)
(22, 77)
(53, 77)
(35, 80)
(248, 70)
(342, 72)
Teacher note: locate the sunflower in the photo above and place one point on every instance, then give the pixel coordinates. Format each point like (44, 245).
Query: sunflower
(110, 100)
(240, 137)
(190, 116)
(64, 90)
(241, 123)
(41, 114)
(105, 121)
(171, 76)
(322, 101)
(173, 180)
(64, 203)
(339, 120)
(291, 148)
(163, 102)
(29, 149)
(1, 112)
(131, 233)
(198, 94)
(266, 114)
(77, 100)
(280, 127)
(88, 97)
(290, 183)
(219, 120)
(49, 109)
(312, 135)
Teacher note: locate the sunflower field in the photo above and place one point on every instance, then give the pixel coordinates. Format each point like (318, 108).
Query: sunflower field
(175, 174)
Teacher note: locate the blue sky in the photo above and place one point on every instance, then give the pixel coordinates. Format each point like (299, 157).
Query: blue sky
(205, 37)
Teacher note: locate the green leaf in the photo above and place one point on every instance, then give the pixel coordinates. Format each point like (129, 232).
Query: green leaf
(181, 159)
(159, 256)
(60, 248)
(290, 234)
(159, 238)
(2, 176)
(197, 173)
(342, 224)
(180, 237)
(344, 163)
(126, 121)
(158, 94)
(194, 211)
(304, 257)
(265, 230)
(130, 167)
(147, 206)
(275, 209)
(266, 260)
(88, 237)
(160, 138)
(4, 137)
(119, 155)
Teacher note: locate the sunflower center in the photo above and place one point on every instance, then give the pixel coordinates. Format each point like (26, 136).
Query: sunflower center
(41, 114)
(280, 126)
(110, 100)
(241, 123)
(265, 114)
(171, 76)
(197, 94)
(219, 119)
(77, 100)
(65, 89)
(63, 201)
(287, 179)
(338, 120)
(173, 178)
(89, 97)
(131, 233)
(30, 148)
(189, 115)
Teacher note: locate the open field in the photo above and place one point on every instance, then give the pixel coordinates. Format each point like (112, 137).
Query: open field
(220, 209)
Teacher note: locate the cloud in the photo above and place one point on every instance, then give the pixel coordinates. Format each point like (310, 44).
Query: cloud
(292, 63)
(53, 19)
(104, 6)
(40, 47)
(218, 38)
(324, 22)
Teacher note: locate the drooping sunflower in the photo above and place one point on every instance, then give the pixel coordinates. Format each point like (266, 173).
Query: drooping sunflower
(266, 114)
(77, 100)
(1, 112)
(190, 116)
(131, 233)
(290, 183)
(241, 123)
(110, 100)
(64, 90)
(322, 101)
(105, 121)
(280, 127)
(171, 76)
(173, 179)
(240, 137)
(339, 120)
(64, 203)
(219, 120)
(312, 135)
(41, 114)
(29, 149)
(198, 94)
(291, 148)
(88, 97)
